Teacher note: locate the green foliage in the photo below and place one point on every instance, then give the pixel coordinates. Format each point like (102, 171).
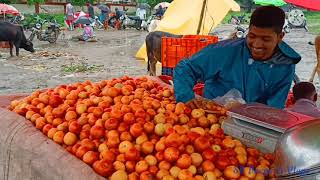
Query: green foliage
(313, 21)
(35, 1)
(5, 1)
(30, 19)
(80, 2)
(80, 67)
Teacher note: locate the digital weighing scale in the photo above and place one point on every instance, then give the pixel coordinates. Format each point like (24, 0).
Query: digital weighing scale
(260, 126)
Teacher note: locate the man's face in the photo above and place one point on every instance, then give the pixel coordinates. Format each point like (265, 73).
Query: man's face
(262, 42)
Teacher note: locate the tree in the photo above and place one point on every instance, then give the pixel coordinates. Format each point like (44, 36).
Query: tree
(5, 1)
(79, 2)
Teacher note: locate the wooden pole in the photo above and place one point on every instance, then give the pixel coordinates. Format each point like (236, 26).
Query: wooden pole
(201, 16)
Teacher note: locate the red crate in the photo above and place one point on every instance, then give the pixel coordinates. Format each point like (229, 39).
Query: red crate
(4, 44)
(173, 50)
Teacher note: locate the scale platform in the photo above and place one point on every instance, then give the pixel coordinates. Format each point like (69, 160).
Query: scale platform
(260, 126)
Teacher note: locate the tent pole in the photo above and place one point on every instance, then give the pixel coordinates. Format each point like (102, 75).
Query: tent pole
(201, 16)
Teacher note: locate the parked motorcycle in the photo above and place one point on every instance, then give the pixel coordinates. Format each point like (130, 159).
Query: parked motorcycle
(296, 19)
(133, 22)
(49, 34)
(97, 24)
(112, 21)
(236, 20)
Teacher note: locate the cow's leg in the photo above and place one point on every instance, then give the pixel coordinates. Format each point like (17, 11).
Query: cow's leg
(17, 45)
(11, 47)
(153, 67)
(150, 60)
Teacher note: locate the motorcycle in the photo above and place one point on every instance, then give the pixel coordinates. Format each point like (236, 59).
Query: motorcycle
(97, 24)
(296, 19)
(49, 34)
(236, 20)
(113, 22)
(133, 22)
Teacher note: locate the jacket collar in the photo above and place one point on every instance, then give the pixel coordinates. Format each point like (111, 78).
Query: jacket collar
(289, 52)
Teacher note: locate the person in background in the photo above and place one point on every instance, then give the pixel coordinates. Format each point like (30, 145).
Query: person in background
(90, 10)
(70, 15)
(160, 11)
(119, 13)
(87, 33)
(104, 15)
(261, 66)
(305, 98)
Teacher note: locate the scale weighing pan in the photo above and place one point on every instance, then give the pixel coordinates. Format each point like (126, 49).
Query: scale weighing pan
(260, 126)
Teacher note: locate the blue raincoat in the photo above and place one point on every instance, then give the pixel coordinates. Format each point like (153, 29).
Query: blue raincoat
(228, 64)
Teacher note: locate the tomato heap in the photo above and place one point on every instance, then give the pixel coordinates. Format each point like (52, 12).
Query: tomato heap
(132, 128)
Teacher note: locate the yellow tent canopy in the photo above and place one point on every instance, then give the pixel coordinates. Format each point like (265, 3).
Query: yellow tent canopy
(183, 17)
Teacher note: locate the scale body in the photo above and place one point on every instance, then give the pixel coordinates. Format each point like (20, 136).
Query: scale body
(260, 126)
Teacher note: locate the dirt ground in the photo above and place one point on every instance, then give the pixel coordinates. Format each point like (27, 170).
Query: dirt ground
(112, 56)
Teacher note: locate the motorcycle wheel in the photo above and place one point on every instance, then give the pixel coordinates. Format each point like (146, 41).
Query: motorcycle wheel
(53, 37)
(138, 28)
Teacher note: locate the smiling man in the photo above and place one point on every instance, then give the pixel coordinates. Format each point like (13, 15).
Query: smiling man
(260, 66)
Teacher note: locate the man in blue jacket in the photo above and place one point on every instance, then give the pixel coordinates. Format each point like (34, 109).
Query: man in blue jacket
(260, 66)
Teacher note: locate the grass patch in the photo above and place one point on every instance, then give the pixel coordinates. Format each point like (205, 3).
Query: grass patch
(80, 67)
(313, 21)
(230, 14)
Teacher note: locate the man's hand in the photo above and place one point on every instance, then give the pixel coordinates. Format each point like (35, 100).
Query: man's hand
(192, 104)
(195, 102)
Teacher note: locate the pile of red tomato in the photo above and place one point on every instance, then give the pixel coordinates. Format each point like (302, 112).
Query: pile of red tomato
(132, 128)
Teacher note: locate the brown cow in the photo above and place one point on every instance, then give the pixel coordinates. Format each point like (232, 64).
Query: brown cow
(153, 44)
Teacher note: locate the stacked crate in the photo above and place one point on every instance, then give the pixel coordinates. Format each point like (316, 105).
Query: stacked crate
(173, 50)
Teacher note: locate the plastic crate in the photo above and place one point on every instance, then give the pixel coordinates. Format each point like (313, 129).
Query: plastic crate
(167, 71)
(4, 44)
(173, 50)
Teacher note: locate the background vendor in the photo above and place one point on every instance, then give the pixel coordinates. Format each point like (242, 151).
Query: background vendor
(260, 66)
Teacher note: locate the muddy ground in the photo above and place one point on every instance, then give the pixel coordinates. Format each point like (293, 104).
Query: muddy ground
(112, 56)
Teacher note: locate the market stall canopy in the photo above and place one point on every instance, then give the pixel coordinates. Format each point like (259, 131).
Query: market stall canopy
(270, 2)
(162, 4)
(177, 21)
(307, 4)
(8, 9)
